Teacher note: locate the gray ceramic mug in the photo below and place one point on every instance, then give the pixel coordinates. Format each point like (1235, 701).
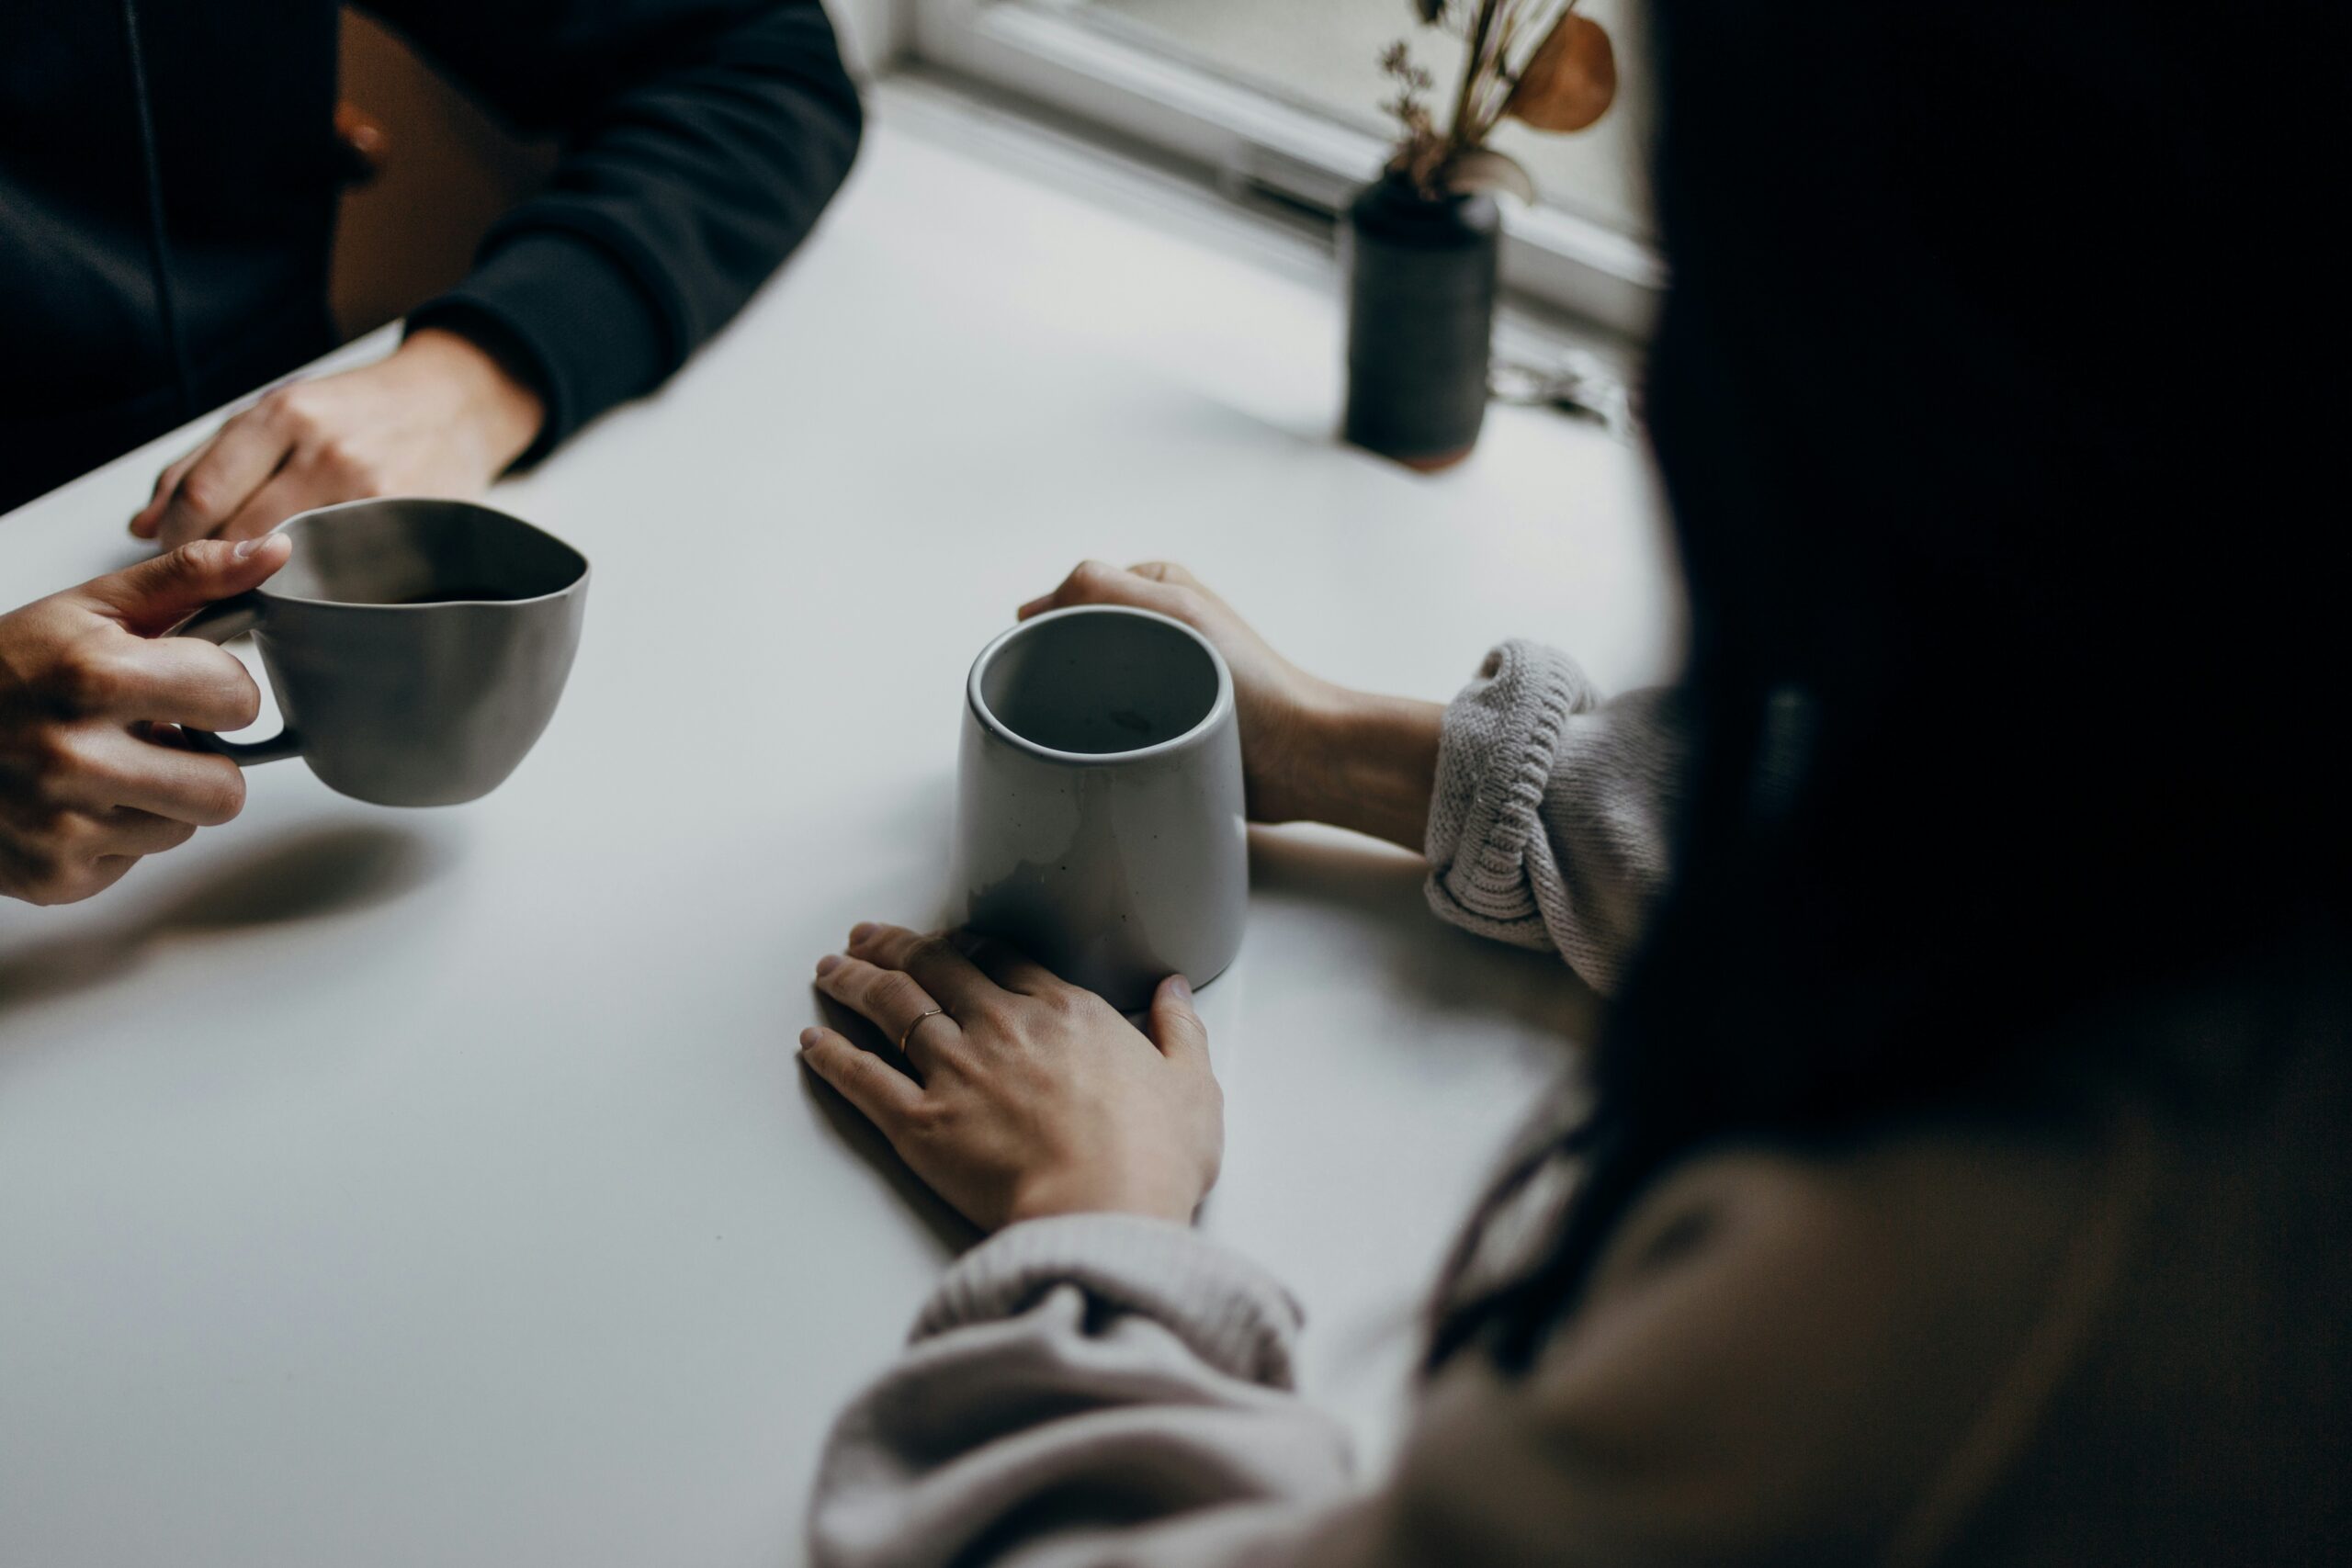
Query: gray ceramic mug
(417, 646)
(1100, 821)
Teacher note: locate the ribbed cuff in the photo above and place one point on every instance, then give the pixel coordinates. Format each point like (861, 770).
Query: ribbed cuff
(1495, 751)
(1228, 1310)
(560, 311)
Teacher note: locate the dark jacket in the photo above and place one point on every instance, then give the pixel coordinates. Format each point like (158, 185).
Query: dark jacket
(169, 174)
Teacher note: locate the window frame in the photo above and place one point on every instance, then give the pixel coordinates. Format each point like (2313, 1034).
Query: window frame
(1248, 139)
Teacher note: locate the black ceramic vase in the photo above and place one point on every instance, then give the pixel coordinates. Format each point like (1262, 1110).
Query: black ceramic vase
(1420, 315)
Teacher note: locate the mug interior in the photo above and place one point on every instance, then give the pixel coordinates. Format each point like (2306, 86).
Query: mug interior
(415, 551)
(1098, 682)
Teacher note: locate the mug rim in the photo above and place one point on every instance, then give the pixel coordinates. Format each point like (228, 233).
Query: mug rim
(265, 591)
(1218, 708)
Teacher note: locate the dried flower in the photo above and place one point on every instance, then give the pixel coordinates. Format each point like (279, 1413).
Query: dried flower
(1570, 79)
(1563, 83)
(1411, 80)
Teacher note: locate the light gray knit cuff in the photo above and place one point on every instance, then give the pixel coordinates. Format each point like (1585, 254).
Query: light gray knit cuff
(1495, 748)
(1229, 1312)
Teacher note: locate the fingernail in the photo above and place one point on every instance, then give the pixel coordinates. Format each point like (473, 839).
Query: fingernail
(810, 1037)
(248, 547)
(827, 963)
(861, 930)
(1181, 988)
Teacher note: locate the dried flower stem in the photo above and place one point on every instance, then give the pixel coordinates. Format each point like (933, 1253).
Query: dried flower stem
(1494, 32)
(1472, 70)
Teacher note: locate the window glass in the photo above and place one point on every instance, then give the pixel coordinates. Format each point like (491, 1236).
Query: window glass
(1324, 55)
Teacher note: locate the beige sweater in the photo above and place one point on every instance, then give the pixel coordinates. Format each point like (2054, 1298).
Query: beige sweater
(2117, 1343)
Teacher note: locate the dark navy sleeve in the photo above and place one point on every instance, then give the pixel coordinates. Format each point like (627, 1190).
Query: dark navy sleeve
(701, 140)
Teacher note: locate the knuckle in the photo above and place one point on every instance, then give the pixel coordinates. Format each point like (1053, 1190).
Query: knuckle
(344, 456)
(183, 566)
(994, 1014)
(56, 756)
(86, 681)
(222, 795)
(897, 990)
(1092, 577)
(239, 697)
(930, 1118)
(203, 496)
(55, 879)
(293, 410)
(928, 949)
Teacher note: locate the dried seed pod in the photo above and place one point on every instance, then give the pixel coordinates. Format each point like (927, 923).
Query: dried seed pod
(1483, 168)
(1570, 79)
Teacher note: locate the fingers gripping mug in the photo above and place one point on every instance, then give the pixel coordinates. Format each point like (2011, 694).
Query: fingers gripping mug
(1100, 821)
(417, 646)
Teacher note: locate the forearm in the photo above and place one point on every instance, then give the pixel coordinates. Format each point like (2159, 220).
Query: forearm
(1369, 763)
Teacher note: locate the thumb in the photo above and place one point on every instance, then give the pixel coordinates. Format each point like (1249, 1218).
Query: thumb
(157, 594)
(1176, 1029)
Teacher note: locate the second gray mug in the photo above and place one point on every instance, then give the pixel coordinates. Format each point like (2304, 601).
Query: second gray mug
(1099, 819)
(417, 646)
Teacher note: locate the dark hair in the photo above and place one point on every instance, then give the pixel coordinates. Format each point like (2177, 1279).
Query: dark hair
(1999, 389)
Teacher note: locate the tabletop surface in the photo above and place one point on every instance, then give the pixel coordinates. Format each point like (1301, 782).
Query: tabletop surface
(384, 1187)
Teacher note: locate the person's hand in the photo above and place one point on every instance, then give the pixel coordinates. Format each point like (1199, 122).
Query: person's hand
(438, 417)
(1310, 751)
(91, 775)
(1281, 707)
(1023, 1096)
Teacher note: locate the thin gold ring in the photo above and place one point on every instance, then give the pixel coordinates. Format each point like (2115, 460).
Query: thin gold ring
(909, 1032)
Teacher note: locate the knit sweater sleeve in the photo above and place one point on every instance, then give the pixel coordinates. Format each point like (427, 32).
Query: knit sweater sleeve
(1082, 1390)
(1778, 1358)
(1549, 823)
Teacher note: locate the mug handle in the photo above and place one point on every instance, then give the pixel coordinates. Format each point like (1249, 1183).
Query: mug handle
(224, 622)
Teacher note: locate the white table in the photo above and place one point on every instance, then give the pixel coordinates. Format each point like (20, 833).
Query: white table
(442, 1188)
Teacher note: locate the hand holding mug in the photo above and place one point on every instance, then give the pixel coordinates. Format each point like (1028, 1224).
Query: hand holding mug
(1311, 751)
(1280, 706)
(92, 773)
(1019, 1096)
(418, 647)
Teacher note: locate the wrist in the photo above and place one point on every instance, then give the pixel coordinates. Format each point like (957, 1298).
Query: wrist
(1047, 1198)
(1371, 763)
(497, 405)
